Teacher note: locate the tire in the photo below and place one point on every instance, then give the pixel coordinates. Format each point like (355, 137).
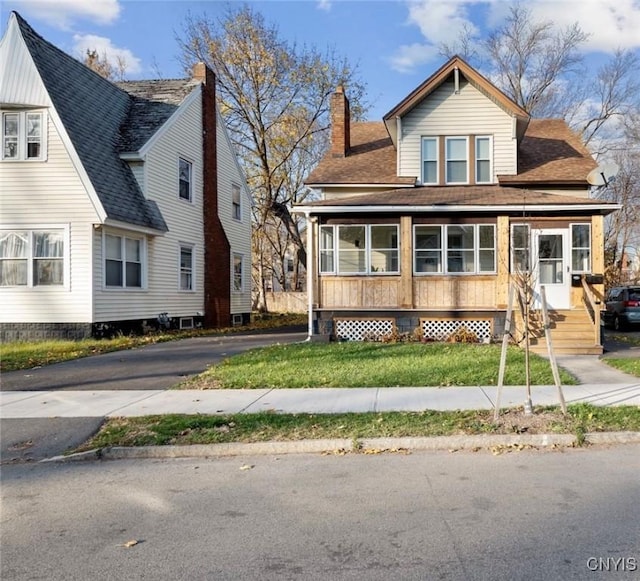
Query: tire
(619, 324)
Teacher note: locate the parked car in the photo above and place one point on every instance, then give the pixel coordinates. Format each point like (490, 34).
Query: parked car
(622, 307)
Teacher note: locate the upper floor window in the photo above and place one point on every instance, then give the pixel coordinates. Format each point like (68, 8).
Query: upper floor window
(23, 136)
(456, 163)
(483, 160)
(123, 261)
(454, 248)
(238, 276)
(185, 180)
(236, 211)
(186, 267)
(32, 257)
(359, 249)
(581, 247)
(429, 160)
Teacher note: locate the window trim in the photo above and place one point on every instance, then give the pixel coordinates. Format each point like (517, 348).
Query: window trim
(143, 261)
(234, 288)
(477, 158)
(191, 271)
(66, 256)
(236, 207)
(447, 139)
(189, 164)
(335, 250)
(589, 248)
(436, 140)
(444, 251)
(22, 137)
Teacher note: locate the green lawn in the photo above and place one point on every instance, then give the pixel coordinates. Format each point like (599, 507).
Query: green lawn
(628, 365)
(174, 429)
(356, 364)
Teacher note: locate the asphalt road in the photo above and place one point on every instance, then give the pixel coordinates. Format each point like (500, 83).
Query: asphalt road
(158, 366)
(535, 516)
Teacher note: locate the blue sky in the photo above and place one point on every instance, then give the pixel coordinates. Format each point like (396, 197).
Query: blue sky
(395, 43)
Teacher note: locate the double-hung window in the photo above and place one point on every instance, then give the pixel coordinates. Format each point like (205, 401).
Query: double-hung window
(236, 208)
(581, 247)
(238, 277)
(123, 261)
(23, 136)
(429, 160)
(359, 249)
(186, 267)
(454, 249)
(483, 160)
(185, 185)
(520, 248)
(32, 257)
(456, 162)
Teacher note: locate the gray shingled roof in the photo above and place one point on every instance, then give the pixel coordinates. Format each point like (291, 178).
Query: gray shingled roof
(93, 110)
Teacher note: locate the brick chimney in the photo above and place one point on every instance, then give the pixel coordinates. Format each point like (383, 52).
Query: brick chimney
(200, 72)
(340, 122)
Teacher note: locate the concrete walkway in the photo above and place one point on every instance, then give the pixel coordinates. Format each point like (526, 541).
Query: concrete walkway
(130, 403)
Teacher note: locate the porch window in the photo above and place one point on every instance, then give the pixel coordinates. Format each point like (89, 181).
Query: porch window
(327, 250)
(483, 160)
(520, 248)
(123, 261)
(359, 249)
(581, 247)
(32, 258)
(466, 249)
(429, 160)
(456, 166)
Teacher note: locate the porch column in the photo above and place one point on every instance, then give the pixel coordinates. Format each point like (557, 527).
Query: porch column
(502, 279)
(311, 224)
(406, 263)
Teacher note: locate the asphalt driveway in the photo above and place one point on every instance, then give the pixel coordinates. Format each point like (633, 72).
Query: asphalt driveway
(157, 366)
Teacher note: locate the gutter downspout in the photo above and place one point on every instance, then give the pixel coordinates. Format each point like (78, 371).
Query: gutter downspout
(310, 262)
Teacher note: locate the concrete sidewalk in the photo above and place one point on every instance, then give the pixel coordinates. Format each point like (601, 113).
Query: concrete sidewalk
(130, 403)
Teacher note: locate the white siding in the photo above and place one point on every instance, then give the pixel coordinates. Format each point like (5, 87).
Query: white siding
(182, 139)
(37, 194)
(238, 232)
(468, 113)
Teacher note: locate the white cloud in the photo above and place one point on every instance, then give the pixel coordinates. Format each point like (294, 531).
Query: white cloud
(439, 22)
(324, 5)
(611, 25)
(104, 47)
(63, 13)
(410, 56)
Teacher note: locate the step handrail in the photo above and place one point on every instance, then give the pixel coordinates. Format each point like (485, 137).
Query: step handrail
(591, 306)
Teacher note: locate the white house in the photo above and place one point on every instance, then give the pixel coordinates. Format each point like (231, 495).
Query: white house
(122, 205)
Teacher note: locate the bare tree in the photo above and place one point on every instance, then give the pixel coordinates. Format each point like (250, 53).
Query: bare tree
(275, 98)
(104, 67)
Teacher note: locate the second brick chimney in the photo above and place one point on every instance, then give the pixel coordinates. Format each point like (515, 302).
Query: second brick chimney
(340, 122)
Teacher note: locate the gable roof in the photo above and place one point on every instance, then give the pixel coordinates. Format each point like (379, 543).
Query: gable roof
(93, 110)
(371, 160)
(448, 199)
(551, 153)
(456, 66)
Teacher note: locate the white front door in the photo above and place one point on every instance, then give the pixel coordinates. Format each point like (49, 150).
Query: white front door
(551, 267)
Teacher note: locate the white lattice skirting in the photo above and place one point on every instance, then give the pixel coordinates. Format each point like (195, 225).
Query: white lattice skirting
(361, 329)
(441, 329)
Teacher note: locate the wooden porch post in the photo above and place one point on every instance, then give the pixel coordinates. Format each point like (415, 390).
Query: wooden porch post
(406, 263)
(502, 282)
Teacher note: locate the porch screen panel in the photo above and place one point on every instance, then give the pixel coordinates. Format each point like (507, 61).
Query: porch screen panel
(460, 249)
(428, 249)
(352, 256)
(384, 249)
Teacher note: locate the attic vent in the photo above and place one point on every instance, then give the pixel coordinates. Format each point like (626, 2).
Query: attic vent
(236, 320)
(186, 322)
